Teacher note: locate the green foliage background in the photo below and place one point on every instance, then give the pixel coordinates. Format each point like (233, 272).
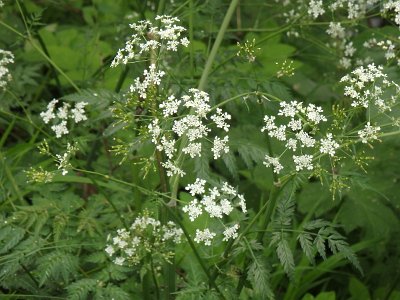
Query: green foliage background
(52, 236)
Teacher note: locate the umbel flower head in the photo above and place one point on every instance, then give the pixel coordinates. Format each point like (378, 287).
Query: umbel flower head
(6, 58)
(147, 37)
(146, 236)
(217, 204)
(62, 114)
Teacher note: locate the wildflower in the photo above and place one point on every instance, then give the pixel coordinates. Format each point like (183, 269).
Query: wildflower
(336, 30)
(6, 58)
(328, 145)
(63, 114)
(146, 236)
(220, 146)
(170, 106)
(219, 119)
(231, 232)
(273, 161)
(197, 188)
(369, 133)
(172, 169)
(152, 77)
(216, 203)
(205, 236)
(193, 149)
(78, 113)
(315, 8)
(303, 162)
(167, 37)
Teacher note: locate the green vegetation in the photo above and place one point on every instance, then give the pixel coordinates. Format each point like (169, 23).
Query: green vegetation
(199, 149)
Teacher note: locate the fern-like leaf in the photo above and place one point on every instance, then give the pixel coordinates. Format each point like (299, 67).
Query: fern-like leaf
(285, 256)
(259, 276)
(306, 244)
(81, 289)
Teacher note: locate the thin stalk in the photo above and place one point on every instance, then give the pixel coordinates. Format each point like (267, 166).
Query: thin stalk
(153, 274)
(204, 77)
(217, 44)
(196, 253)
(38, 49)
(270, 207)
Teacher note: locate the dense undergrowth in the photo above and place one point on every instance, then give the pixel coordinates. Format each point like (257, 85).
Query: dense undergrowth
(199, 149)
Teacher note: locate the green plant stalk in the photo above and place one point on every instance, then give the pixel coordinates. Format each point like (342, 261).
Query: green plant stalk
(203, 80)
(270, 207)
(196, 253)
(321, 269)
(38, 49)
(229, 246)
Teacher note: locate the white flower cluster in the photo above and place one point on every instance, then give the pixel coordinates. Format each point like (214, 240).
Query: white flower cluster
(147, 37)
(6, 58)
(192, 125)
(292, 133)
(393, 5)
(336, 30)
(146, 236)
(62, 161)
(369, 133)
(216, 204)
(315, 8)
(365, 86)
(386, 45)
(151, 77)
(355, 8)
(62, 114)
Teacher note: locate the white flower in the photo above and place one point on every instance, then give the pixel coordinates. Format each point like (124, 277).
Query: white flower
(228, 189)
(314, 114)
(6, 58)
(170, 106)
(196, 188)
(220, 146)
(172, 169)
(242, 203)
(295, 124)
(279, 133)
(305, 139)
(369, 133)
(328, 145)
(78, 113)
(231, 232)
(273, 161)
(193, 149)
(60, 129)
(336, 30)
(147, 38)
(110, 250)
(119, 261)
(193, 209)
(289, 109)
(205, 236)
(49, 113)
(155, 130)
(291, 144)
(315, 8)
(168, 146)
(220, 118)
(198, 100)
(152, 77)
(269, 123)
(62, 112)
(303, 162)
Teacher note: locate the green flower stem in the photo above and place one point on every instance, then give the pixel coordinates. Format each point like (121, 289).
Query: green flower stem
(196, 253)
(217, 44)
(203, 81)
(43, 52)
